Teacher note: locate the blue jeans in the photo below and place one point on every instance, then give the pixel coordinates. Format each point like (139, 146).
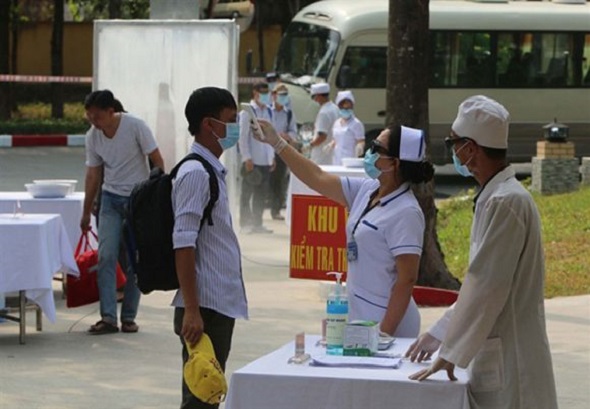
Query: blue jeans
(112, 214)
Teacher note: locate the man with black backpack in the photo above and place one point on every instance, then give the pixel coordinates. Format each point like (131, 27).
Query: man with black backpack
(208, 265)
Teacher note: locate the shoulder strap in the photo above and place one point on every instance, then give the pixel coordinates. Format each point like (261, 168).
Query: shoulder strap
(213, 185)
(289, 117)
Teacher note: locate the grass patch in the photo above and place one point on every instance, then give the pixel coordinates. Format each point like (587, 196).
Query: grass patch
(35, 118)
(566, 237)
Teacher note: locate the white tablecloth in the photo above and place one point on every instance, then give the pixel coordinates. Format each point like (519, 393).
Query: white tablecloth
(69, 207)
(271, 383)
(33, 247)
(297, 187)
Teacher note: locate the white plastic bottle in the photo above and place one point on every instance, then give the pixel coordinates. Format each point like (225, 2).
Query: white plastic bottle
(337, 316)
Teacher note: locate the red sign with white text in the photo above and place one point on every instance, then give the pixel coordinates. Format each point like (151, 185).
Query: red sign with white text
(318, 237)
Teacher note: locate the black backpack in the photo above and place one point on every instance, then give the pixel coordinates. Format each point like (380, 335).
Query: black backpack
(150, 223)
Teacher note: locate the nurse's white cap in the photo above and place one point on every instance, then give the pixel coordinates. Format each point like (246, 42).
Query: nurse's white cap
(322, 88)
(344, 95)
(484, 120)
(412, 146)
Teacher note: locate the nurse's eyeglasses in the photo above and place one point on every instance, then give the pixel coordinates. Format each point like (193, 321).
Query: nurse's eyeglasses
(377, 147)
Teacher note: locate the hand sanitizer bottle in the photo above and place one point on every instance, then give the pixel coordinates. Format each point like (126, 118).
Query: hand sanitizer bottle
(337, 315)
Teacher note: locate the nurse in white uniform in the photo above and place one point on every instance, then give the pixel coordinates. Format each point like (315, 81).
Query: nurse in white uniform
(385, 226)
(348, 131)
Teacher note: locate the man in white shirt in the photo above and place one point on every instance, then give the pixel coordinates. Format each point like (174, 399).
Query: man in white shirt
(208, 261)
(258, 161)
(120, 144)
(283, 120)
(497, 326)
(321, 146)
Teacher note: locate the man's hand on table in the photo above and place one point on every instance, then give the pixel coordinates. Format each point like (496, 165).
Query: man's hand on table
(438, 364)
(423, 348)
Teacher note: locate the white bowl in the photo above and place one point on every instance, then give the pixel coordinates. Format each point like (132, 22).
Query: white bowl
(46, 190)
(352, 162)
(71, 182)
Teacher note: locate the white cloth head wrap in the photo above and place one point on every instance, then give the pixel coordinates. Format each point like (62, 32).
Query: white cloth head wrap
(484, 120)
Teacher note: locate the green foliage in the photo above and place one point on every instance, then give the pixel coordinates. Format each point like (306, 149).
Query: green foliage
(36, 118)
(88, 10)
(566, 235)
(453, 227)
(43, 126)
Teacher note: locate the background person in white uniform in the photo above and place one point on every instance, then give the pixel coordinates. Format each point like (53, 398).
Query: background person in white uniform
(321, 145)
(385, 226)
(348, 131)
(497, 325)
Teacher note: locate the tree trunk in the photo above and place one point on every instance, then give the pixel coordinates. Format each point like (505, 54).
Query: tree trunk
(14, 27)
(57, 104)
(4, 57)
(407, 104)
(115, 9)
(260, 35)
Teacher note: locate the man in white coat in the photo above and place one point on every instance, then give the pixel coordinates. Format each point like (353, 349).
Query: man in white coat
(497, 326)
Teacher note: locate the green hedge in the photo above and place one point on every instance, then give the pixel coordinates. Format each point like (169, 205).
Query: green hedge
(43, 126)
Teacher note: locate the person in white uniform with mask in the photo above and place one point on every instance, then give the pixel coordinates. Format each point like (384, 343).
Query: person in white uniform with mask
(496, 328)
(321, 145)
(385, 226)
(348, 132)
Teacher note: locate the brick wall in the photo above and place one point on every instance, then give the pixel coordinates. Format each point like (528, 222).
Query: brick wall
(555, 169)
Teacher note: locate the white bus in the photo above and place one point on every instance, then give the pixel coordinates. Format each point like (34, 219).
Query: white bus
(533, 57)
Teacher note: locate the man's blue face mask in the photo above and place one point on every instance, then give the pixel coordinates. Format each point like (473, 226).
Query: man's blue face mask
(461, 168)
(232, 134)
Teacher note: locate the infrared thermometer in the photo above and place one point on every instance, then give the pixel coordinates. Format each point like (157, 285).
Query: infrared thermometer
(253, 119)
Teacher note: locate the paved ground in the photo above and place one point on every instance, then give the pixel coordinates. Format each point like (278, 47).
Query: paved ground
(64, 368)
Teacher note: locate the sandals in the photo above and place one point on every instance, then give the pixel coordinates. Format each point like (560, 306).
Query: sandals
(129, 326)
(103, 327)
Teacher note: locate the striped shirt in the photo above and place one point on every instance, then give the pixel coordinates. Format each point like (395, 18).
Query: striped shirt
(218, 259)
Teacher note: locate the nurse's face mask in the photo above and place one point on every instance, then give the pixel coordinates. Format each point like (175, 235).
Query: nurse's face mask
(376, 152)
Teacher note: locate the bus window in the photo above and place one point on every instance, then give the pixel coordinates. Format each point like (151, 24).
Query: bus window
(307, 49)
(545, 59)
(461, 59)
(363, 67)
(585, 63)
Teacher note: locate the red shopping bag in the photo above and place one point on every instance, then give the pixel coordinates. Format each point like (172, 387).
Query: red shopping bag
(83, 290)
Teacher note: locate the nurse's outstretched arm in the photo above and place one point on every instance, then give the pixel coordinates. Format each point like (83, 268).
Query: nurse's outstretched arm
(307, 171)
(407, 266)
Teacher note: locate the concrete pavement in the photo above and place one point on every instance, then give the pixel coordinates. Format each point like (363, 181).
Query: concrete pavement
(63, 367)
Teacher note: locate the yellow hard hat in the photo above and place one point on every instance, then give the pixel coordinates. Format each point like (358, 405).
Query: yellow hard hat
(203, 374)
